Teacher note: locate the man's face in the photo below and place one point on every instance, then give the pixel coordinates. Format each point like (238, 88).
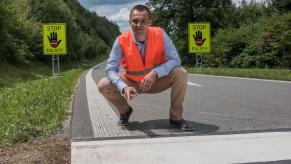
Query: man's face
(140, 22)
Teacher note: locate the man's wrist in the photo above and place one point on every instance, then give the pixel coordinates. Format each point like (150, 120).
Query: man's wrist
(123, 90)
(156, 74)
(121, 85)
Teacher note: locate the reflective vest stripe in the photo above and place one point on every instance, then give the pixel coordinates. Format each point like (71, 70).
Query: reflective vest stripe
(138, 73)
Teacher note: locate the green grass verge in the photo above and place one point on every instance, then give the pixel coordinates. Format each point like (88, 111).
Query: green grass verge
(35, 108)
(273, 74)
(32, 103)
(13, 74)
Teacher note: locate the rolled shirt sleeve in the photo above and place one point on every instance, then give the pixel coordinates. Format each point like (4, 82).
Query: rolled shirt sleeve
(112, 68)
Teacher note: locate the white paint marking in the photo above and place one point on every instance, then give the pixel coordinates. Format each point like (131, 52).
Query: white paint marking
(244, 78)
(96, 66)
(194, 84)
(237, 148)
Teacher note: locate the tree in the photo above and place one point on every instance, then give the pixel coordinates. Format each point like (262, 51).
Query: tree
(282, 5)
(174, 16)
(88, 35)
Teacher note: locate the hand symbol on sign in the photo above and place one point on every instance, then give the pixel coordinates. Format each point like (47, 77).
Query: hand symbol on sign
(198, 38)
(54, 39)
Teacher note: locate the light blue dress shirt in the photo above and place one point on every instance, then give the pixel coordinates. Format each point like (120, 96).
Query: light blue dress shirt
(112, 68)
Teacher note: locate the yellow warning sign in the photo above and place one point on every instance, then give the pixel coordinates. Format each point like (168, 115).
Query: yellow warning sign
(54, 39)
(199, 37)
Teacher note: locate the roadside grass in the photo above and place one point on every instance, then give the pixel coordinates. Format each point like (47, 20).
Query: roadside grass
(35, 108)
(13, 74)
(272, 74)
(32, 103)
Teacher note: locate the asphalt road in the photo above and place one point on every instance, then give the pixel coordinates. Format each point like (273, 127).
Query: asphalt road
(235, 120)
(213, 105)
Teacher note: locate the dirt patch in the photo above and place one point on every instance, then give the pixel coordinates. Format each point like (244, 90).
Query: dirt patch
(43, 151)
(55, 149)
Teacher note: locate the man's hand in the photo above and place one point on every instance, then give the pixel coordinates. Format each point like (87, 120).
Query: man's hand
(53, 39)
(148, 80)
(129, 93)
(198, 38)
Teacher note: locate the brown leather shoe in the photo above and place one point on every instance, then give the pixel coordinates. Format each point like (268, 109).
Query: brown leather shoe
(124, 118)
(180, 124)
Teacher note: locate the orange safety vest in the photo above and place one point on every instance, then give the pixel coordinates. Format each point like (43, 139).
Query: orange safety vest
(132, 61)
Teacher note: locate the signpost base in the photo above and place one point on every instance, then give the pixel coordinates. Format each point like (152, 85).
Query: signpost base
(56, 65)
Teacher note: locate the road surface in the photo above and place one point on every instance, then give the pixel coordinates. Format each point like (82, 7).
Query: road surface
(231, 114)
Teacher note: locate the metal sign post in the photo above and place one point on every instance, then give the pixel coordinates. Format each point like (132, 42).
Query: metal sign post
(199, 60)
(56, 65)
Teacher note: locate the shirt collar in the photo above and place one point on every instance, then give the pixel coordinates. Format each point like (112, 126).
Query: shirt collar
(135, 40)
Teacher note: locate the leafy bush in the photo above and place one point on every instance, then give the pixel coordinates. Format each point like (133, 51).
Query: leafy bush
(265, 44)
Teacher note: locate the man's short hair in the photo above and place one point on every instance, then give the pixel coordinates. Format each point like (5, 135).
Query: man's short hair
(140, 8)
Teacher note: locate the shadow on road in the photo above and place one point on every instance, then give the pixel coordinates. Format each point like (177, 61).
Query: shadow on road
(270, 162)
(162, 128)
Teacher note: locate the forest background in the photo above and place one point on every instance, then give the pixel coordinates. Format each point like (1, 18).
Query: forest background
(244, 35)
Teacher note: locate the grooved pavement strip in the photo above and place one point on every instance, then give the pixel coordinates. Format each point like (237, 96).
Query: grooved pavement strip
(103, 118)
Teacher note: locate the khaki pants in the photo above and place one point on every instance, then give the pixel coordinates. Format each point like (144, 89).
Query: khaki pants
(177, 80)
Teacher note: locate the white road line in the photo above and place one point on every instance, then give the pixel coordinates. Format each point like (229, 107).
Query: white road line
(237, 148)
(194, 84)
(99, 64)
(244, 78)
(103, 118)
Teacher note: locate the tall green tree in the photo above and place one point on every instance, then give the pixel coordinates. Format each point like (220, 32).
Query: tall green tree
(282, 5)
(88, 35)
(174, 16)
